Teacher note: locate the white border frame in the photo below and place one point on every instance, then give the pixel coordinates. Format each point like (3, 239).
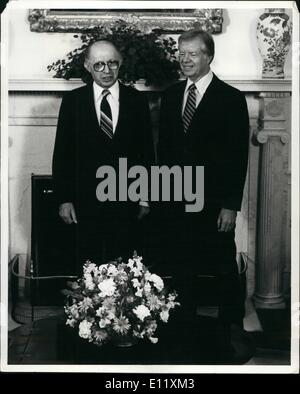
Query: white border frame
(294, 367)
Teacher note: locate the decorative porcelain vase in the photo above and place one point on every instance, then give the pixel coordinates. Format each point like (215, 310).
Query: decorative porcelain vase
(273, 33)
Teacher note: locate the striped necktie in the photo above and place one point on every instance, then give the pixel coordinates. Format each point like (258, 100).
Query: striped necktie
(106, 124)
(190, 108)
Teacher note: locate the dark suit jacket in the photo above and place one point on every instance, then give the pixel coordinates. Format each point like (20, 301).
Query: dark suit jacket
(81, 147)
(217, 139)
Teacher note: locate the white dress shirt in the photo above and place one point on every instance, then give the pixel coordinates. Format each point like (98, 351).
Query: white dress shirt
(112, 98)
(201, 86)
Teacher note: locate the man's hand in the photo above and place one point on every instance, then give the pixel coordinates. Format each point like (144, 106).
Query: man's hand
(67, 213)
(143, 211)
(226, 220)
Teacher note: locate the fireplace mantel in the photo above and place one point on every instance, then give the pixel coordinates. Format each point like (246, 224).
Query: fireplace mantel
(58, 85)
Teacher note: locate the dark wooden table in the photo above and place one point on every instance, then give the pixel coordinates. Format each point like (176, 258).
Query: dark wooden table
(49, 341)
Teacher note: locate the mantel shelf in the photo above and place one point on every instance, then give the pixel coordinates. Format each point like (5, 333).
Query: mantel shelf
(58, 85)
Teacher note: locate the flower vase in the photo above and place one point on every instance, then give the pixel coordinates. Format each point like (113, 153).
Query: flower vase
(273, 33)
(124, 341)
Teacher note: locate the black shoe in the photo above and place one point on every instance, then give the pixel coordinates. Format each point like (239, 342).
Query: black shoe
(243, 345)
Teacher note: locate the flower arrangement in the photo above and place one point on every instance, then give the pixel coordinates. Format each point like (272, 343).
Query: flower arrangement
(146, 55)
(118, 300)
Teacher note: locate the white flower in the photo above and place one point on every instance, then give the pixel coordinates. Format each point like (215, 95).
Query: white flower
(70, 322)
(139, 334)
(106, 313)
(130, 263)
(147, 275)
(73, 310)
(135, 264)
(138, 259)
(139, 264)
(112, 270)
(171, 301)
(88, 281)
(172, 296)
(139, 292)
(172, 304)
(109, 303)
(85, 329)
(100, 311)
(135, 282)
(151, 328)
(103, 268)
(107, 287)
(121, 276)
(121, 325)
(90, 267)
(104, 322)
(85, 304)
(164, 315)
(157, 281)
(106, 316)
(136, 271)
(141, 312)
(153, 340)
(153, 302)
(147, 288)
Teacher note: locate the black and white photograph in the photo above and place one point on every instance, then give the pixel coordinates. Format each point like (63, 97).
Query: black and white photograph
(150, 188)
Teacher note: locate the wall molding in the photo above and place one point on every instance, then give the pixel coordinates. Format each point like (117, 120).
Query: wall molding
(32, 121)
(58, 85)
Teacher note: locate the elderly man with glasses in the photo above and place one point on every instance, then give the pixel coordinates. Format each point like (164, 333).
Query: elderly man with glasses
(98, 124)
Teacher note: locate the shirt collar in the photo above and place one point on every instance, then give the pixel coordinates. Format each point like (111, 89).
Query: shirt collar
(114, 91)
(202, 84)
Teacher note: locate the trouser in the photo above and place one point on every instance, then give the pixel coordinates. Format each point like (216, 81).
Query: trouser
(103, 238)
(194, 247)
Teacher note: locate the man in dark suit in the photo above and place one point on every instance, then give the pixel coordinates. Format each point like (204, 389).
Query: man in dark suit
(204, 122)
(98, 124)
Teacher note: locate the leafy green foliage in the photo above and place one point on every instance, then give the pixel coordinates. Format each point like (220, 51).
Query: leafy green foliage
(146, 56)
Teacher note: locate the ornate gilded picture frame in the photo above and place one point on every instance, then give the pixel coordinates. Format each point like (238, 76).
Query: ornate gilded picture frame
(162, 20)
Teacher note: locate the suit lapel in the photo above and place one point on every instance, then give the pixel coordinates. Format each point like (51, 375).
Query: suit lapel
(89, 104)
(177, 102)
(178, 96)
(89, 118)
(124, 106)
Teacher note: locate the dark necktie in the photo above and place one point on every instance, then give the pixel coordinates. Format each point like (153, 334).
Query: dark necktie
(106, 124)
(190, 108)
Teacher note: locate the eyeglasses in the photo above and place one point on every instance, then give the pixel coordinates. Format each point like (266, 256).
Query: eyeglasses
(111, 64)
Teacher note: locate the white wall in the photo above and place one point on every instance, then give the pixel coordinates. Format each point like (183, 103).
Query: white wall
(32, 120)
(30, 53)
